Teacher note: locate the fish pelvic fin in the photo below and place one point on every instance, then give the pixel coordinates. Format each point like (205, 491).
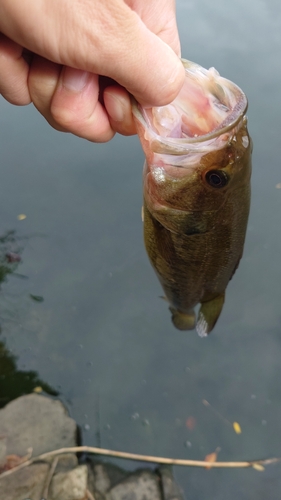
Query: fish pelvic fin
(208, 315)
(183, 321)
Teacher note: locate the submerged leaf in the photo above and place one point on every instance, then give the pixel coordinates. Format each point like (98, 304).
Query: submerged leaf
(38, 389)
(37, 298)
(212, 457)
(258, 467)
(190, 423)
(237, 428)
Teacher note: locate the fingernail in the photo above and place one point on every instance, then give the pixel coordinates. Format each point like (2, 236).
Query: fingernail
(74, 79)
(115, 107)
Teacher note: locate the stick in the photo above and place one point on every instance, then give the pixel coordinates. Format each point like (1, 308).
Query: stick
(49, 478)
(256, 464)
(89, 495)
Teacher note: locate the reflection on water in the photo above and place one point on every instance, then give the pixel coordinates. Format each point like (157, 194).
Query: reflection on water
(10, 254)
(14, 382)
(101, 329)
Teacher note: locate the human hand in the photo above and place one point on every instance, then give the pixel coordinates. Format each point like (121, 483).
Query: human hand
(61, 55)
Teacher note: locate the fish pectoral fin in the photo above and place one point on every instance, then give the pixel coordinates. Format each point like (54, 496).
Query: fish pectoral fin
(183, 321)
(208, 315)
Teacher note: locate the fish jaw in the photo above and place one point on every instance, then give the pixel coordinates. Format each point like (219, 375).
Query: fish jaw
(176, 188)
(200, 119)
(178, 159)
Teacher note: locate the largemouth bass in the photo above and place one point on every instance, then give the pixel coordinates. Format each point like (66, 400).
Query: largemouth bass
(196, 193)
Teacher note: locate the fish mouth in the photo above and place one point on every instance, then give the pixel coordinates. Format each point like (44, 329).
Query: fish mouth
(200, 119)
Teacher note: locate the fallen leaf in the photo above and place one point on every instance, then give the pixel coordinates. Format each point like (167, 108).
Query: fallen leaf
(258, 467)
(190, 423)
(38, 389)
(13, 257)
(37, 298)
(12, 461)
(237, 428)
(212, 457)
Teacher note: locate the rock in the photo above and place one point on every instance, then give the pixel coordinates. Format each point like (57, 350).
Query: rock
(91, 484)
(3, 451)
(105, 476)
(66, 462)
(25, 483)
(115, 473)
(38, 422)
(170, 490)
(43, 424)
(143, 485)
(71, 485)
(101, 479)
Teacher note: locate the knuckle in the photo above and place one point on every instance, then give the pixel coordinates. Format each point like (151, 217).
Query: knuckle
(64, 117)
(86, 128)
(17, 97)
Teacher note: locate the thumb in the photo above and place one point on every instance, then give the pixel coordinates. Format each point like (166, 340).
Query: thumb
(143, 63)
(152, 72)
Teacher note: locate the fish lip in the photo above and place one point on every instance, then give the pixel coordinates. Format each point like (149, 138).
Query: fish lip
(181, 146)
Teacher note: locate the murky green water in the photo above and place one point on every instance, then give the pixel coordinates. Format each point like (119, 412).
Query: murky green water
(102, 338)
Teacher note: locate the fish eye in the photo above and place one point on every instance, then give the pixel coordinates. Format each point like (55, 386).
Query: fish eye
(217, 178)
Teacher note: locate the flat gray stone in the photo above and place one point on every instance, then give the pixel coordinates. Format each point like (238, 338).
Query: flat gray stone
(170, 489)
(24, 484)
(66, 462)
(71, 485)
(141, 486)
(38, 422)
(3, 451)
(101, 479)
(105, 476)
(91, 484)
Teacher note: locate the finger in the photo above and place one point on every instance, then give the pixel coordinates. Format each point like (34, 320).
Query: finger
(65, 103)
(13, 73)
(137, 59)
(68, 99)
(42, 82)
(106, 38)
(76, 108)
(118, 106)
